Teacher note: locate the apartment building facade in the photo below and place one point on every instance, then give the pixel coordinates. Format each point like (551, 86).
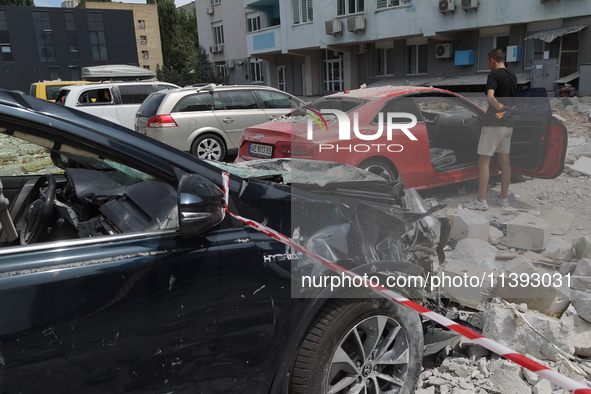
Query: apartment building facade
(39, 43)
(314, 47)
(146, 28)
(222, 26)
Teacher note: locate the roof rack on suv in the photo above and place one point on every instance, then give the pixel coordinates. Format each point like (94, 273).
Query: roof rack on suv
(120, 72)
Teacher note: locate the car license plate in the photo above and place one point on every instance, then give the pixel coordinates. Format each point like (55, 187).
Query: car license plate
(260, 150)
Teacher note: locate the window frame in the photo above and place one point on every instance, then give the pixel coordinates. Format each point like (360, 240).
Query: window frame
(385, 62)
(254, 65)
(358, 7)
(392, 4)
(218, 33)
(417, 59)
(495, 37)
(141, 23)
(304, 13)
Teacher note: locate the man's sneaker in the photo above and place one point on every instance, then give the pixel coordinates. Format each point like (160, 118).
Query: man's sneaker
(476, 205)
(501, 202)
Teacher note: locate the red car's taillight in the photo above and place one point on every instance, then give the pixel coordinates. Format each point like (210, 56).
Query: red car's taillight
(160, 121)
(295, 149)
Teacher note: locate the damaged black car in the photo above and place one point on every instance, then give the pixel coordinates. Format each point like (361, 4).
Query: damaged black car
(121, 270)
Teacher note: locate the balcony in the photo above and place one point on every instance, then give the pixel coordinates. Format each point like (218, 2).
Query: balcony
(264, 41)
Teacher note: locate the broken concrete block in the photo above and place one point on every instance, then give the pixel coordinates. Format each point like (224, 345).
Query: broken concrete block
(531, 377)
(580, 335)
(547, 300)
(567, 268)
(560, 220)
(581, 283)
(583, 268)
(503, 326)
(543, 386)
(583, 247)
(508, 383)
(469, 224)
(558, 249)
(582, 303)
(527, 232)
(494, 234)
(583, 166)
(583, 150)
(475, 251)
(467, 294)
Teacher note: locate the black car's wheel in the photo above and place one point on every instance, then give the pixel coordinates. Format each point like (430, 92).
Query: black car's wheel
(38, 208)
(381, 168)
(370, 346)
(210, 147)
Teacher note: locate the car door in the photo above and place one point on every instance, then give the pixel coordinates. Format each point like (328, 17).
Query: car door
(129, 98)
(240, 111)
(539, 141)
(98, 102)
(276, 104)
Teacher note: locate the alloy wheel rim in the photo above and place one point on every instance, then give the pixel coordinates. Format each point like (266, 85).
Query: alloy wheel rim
(372, 358)
(209, 149)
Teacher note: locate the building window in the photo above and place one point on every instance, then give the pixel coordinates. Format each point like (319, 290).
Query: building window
(487, 44)
(384, 60)
(145, 55)
(75, 73)
(416, 59)
(392, 3)
(350, 6)
(141, 24)
(143, 40)
(3, 24)
(215, 2)
(146, 67)
(256, 70)
(74, 52)
(220, 69)
(282, 78)
(54, 73)
(6, 53)
(302, 11)
(70, 23)
(98, 42)
(218, 33)
(44, 36)
(253, 22)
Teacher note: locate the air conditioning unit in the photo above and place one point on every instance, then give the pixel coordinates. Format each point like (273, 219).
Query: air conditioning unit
(355, 23)
(447, 6)
(210, 10)
(230, 64)
(333, 26)
(469, 4)
(360, 49)
(216, 48)
(443, 51)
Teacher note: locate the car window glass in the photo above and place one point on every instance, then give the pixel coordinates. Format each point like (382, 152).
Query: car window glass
(26, 158)
(272, 99)
(135, 94)
(441, 104)
(345, 105)
(238, 99)
(95, 96)
(194, 103)
(150, 105)
(166, 87)
(52, 91)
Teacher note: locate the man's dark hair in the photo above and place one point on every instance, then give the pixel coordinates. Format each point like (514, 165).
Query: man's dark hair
(497, 54)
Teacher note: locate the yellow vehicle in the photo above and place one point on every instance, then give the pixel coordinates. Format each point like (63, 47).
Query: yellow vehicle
(49, 90)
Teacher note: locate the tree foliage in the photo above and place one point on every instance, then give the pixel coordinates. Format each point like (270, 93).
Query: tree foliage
(19, 3)
(185, 62)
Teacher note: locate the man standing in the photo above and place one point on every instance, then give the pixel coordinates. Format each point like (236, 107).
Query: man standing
(495, 136)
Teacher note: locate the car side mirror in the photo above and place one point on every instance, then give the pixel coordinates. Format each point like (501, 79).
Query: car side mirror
(201, 205)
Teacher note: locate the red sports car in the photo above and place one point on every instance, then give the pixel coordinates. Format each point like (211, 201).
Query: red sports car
(427, 136)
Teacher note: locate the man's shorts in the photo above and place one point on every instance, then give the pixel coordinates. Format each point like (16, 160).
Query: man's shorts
(494, 139)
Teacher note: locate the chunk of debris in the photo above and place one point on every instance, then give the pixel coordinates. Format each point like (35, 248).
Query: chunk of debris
(583, 247)
(501, 324)
(508, 383)
(582, 166)
(547, 300)
(475, 251)
(527, 232)
(583, 268)
(558, 249)
(582, 303)
(468, 224)
(471, 295)
(580, 335)
(560, 220)
(494, 234)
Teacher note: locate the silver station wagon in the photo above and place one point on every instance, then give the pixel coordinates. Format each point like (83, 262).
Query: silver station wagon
(208, 121)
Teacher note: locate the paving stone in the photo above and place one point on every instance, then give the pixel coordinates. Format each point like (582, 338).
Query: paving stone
(469, 224)
(527, 232)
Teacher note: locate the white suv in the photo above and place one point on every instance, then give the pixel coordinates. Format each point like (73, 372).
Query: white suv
(116, 101)
(208, 121)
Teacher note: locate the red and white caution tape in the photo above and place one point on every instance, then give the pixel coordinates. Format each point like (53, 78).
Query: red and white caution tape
(545, 372)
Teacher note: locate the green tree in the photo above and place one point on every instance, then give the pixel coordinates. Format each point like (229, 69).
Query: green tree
(169, 37)
(21, 3)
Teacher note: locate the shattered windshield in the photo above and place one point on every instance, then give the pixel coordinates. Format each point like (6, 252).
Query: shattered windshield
(344, 104)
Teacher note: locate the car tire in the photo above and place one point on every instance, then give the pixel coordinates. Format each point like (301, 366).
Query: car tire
(381, 168)
(209, 147)
(334, 356)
